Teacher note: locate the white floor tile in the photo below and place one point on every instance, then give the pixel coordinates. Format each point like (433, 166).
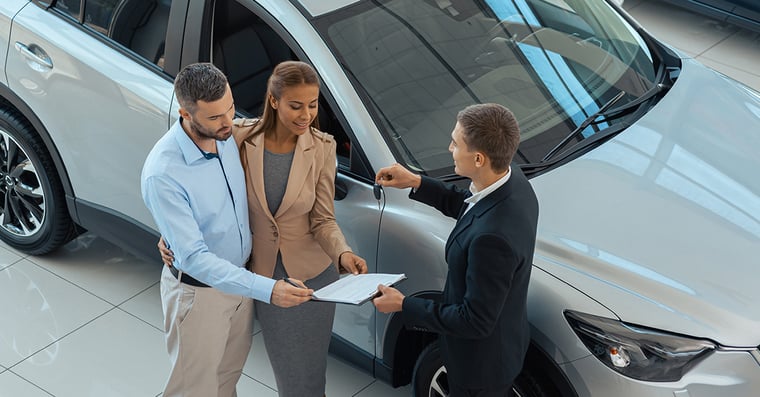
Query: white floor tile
(257, 366)
(147, 307)
(101, 268)
(345, 380)
(250, 387)
(681, 28)
(382, 389)
(116, 355)
(11, 385)
(740, 51)
(37, 308)
(8, 257)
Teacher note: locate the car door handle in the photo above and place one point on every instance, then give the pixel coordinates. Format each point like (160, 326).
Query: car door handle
(35, 54)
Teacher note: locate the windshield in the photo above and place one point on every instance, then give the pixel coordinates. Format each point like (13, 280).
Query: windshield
(552, 62)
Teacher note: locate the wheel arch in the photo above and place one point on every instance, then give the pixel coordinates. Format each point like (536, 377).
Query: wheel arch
(402, 346)
(10, 99)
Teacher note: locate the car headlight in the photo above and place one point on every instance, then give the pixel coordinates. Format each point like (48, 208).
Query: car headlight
(638, 352)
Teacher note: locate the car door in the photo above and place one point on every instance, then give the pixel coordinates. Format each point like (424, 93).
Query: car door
(247, 40)
(92, 72)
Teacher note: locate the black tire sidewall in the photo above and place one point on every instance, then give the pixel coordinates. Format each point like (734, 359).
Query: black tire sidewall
(56, 223)
(428, 363)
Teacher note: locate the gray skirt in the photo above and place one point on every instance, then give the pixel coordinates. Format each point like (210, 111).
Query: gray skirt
(297, 338)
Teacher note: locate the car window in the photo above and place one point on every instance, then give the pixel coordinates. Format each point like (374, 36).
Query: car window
(247, 50)
(139, 25)
(70, 7)
(552, 62)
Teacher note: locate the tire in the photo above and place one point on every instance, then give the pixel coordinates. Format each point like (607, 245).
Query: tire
(33, 214)
(430, 379)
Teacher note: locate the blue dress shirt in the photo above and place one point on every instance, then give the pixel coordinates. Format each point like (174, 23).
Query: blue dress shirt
(199, 204)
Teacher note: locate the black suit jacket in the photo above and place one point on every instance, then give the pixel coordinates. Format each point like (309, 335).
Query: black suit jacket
(482, 320)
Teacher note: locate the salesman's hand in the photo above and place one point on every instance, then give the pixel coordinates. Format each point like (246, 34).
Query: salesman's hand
(286, 295)
(167, 256)
(397, 176)
(389, 299)
(352, 263)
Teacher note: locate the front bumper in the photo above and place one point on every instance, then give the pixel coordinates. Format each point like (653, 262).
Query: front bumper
(726, 373)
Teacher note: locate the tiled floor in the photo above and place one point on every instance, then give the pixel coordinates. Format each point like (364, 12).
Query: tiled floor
(86, 320)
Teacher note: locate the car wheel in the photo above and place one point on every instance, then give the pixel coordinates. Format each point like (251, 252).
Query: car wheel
(33, 214)
(430, 379)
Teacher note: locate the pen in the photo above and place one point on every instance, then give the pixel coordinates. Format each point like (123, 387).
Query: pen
(287, 280)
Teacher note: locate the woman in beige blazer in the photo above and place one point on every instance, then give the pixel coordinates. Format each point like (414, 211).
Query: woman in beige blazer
(290, 176)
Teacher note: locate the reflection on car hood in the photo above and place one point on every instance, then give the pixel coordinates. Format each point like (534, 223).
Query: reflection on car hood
(662, 223)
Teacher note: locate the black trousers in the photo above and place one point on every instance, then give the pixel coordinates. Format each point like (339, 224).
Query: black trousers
(457, 391)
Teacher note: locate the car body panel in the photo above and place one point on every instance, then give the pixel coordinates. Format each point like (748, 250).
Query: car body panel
(8, 9)
(685, 173)
(100, 160)
(709, 378)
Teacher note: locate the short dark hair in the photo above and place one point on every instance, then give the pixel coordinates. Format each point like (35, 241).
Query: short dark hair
(199, 82)
(491, 129)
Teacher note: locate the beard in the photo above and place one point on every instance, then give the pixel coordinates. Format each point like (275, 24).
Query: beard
(203, 132)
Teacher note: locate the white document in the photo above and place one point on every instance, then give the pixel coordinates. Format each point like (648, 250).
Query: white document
(355, 289)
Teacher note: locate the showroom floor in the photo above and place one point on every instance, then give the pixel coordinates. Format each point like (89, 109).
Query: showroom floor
(86, 321)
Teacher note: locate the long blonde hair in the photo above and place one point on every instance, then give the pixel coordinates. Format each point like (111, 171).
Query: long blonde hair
(285, 75)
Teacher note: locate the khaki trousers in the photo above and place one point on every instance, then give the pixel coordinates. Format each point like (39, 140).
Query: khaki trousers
(208, 336)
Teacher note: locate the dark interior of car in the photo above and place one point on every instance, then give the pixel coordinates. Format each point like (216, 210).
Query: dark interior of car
(247, 50)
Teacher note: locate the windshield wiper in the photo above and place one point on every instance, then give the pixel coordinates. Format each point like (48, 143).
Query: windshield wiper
(589, 120)
(608, 115)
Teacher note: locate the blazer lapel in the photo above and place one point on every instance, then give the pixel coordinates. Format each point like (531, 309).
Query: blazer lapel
(462, 224)
(477, 210)
(254, 155)
(303, 161)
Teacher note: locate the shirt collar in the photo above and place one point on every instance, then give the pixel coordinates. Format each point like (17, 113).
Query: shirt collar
(480, 195)
(190, 151)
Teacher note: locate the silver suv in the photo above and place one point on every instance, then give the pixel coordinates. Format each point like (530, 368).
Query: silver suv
(644, 161)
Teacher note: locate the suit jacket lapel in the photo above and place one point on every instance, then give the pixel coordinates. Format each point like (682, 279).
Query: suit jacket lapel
(254, 154)
(303, 161)
(477, 210)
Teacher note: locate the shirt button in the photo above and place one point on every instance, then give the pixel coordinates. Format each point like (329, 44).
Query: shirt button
(275, 234)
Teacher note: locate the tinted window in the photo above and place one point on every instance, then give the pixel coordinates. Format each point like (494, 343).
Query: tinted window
(70, 7)
(552, 62)
(247, 49)
(139, 25)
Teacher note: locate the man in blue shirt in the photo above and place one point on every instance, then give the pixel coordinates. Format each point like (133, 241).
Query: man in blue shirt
(193, 184)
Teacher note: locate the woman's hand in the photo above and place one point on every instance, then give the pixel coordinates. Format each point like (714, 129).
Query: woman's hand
(352, 263)
(167, 256)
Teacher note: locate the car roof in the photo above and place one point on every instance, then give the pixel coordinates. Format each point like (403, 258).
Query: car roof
(319, 7)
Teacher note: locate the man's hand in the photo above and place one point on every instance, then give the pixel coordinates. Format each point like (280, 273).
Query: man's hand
(352, 263)
(389, 299)
(167, 256)
(397, 176)
(286, 295)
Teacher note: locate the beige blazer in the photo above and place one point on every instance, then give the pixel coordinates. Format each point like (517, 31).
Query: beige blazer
(304, 228)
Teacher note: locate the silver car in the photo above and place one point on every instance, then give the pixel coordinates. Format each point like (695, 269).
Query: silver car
(645, 163)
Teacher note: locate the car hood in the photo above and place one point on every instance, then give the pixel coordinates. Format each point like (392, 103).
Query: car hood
(662, 223)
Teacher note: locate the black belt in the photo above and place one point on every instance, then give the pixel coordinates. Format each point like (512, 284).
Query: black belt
(186, 278)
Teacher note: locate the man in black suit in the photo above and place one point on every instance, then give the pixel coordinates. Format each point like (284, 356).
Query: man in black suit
(482, 320)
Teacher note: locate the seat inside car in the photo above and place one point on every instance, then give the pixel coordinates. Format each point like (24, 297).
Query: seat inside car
(140, 25)
(248, 63)
(247, 50)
